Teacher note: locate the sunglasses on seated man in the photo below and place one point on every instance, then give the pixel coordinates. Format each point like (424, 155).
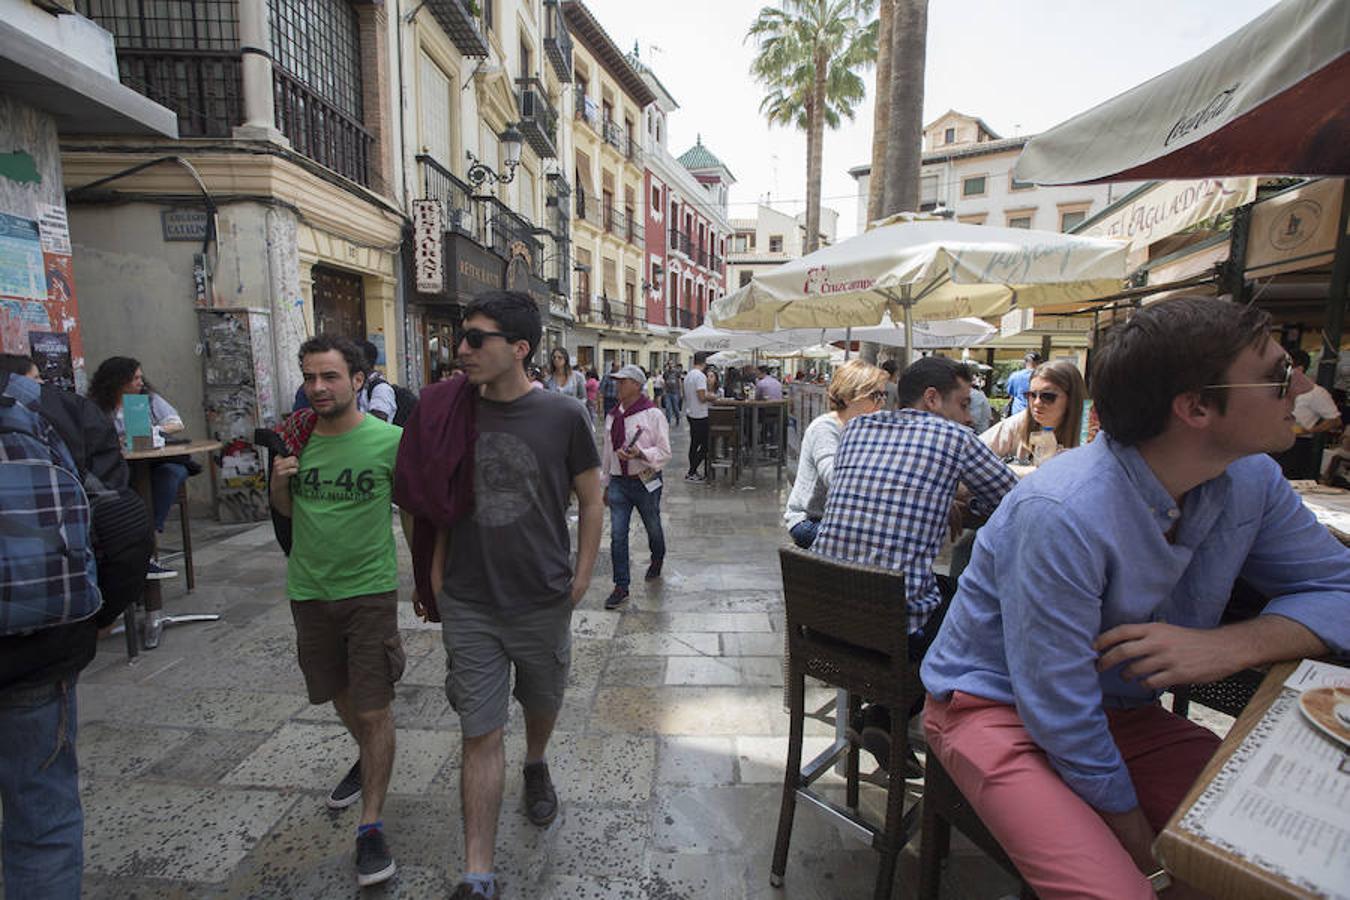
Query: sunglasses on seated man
(475, 337)
(1285, 382)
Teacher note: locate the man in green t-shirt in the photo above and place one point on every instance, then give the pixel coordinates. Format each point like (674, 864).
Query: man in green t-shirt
(342, 578)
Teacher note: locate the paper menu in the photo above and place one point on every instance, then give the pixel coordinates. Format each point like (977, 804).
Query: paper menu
(1313, 674)
(1281, 803)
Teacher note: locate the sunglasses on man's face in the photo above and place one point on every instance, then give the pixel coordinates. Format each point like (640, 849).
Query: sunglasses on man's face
(475, 337)
(1046, 397)
(1285, 373)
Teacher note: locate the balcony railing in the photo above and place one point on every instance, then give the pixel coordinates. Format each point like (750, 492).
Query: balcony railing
(457, 203)
(319, 130)
(681, 318)
(204, 87)
(506, 229)
(634, 151)
(680, 242)
(615, 136)
(538, 118)
(585, 109)
(460, 24)
(715, 263)
(590, 211)
(557, 41)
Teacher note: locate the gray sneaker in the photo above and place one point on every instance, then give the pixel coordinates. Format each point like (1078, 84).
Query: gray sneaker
(541, 801)
(348, 790)
(374, 862)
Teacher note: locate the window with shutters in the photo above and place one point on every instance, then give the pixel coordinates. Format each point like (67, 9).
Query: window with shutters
(434, 98)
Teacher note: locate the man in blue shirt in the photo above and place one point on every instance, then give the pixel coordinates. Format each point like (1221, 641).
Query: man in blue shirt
(1019, 383)
(1100, 582)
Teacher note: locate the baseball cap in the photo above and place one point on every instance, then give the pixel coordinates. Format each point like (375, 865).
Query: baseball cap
(632, 373)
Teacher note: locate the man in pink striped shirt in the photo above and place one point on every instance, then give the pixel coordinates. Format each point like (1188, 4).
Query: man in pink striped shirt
(636, 446)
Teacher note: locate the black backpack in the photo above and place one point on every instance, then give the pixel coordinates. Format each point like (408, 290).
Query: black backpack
(404, 398)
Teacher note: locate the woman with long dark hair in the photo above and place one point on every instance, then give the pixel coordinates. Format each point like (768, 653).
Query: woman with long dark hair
(1054, 404)
(120, 375)
(562, 378)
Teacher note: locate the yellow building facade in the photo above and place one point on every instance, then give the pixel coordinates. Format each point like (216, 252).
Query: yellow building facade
(608, 209)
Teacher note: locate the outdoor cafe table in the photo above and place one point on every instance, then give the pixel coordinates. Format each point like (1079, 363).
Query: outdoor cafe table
(141, 462)
(748, 411)
(1270, 814)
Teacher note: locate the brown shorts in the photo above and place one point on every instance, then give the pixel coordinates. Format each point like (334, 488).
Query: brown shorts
(350, 644)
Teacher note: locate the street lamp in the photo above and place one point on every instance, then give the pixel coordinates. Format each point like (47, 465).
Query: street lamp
(480, 172)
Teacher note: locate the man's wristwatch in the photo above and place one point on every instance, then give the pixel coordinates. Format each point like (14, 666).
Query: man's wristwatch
(1160, 880)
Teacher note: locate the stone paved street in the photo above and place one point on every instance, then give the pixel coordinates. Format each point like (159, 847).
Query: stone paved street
(205, 768)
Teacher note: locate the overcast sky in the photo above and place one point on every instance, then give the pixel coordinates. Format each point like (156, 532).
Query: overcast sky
(1021, 65)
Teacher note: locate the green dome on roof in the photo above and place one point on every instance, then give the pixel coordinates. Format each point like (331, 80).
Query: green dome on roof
(700, 157)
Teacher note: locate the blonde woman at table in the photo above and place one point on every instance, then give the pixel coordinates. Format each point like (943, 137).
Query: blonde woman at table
(1054, 403)
(121, 375)
(858, 388)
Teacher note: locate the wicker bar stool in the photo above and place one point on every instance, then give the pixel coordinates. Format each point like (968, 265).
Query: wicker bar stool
(847, 626)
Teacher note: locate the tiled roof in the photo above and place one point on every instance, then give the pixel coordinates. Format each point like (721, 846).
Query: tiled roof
(700, 157)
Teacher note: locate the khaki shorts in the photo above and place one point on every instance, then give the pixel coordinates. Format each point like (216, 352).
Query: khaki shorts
(482, 646)
(350, 644)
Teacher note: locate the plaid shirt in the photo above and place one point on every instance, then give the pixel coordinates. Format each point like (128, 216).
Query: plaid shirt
(609, 388)
(895, 476)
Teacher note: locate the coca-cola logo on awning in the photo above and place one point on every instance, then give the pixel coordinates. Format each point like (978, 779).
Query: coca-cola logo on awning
(818, 282)
(1210, 111)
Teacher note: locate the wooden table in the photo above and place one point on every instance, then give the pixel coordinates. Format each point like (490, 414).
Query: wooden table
(141, 462)
(752, 408)
(1201, 863)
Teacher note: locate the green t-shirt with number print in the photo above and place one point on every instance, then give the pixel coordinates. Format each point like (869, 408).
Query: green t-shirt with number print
(343, 537)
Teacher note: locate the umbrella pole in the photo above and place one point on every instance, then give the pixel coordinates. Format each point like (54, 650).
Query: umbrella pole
(909, 326)
(848, 341)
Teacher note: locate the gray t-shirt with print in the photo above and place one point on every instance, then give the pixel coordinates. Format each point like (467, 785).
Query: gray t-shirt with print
(513, 552)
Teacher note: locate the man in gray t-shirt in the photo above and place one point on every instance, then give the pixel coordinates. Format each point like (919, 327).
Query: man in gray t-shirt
(508, 588)
(513, 553)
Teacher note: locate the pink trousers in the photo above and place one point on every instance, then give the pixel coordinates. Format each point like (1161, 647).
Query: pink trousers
(1059, 843)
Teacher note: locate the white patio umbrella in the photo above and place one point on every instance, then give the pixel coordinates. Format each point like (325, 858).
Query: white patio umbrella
(730, 358)
(925, 270)
(966, 332)
(707, 338)
(1272, 98)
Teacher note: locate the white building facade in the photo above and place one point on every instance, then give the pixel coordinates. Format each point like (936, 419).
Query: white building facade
(967, 168)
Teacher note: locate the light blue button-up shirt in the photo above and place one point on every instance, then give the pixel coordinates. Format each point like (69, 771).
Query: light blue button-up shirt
(1080, 547)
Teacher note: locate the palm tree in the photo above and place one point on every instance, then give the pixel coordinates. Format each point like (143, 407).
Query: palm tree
(904, 149)
(809, 54)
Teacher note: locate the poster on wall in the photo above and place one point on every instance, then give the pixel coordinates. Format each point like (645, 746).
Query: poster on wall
(23, 284)
(51, 351)
(53, 229)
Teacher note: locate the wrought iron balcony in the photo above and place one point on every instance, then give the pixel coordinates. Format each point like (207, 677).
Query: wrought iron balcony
(457, 203)
(204, 87)
(682, 318)
(319, 130)
(538, 118)
(615, 136)
(680, 242)
(460, 24)
(585, 109)
(557, 41)
(509, 232)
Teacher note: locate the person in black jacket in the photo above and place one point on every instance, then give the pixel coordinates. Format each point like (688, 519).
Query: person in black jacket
(42, 846)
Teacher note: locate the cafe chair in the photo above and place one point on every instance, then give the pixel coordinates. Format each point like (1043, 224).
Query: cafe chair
(847, 627)
(724, 442)
(185, 524)
(945, 807)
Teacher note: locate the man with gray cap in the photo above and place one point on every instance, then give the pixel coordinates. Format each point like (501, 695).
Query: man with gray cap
(635, 447)
(1019, 383)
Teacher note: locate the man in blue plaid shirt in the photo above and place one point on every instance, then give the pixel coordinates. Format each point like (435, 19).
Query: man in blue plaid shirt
(895, 480)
